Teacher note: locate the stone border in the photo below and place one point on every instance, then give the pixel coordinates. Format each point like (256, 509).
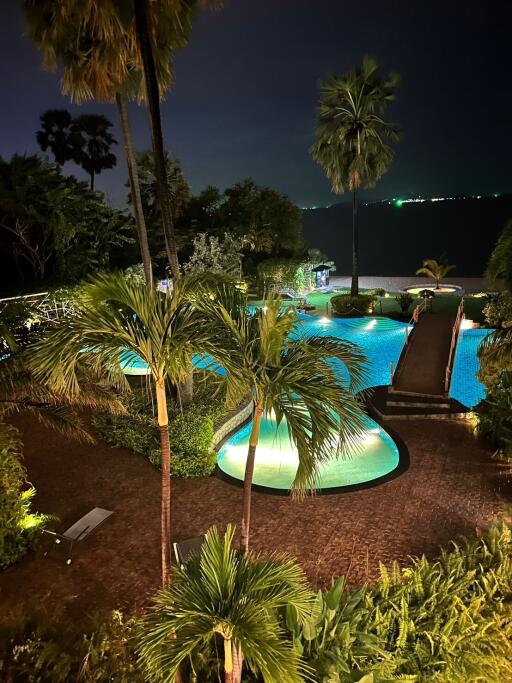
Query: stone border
(231, 423)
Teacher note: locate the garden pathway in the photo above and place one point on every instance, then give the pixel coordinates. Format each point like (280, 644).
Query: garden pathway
(452, 486)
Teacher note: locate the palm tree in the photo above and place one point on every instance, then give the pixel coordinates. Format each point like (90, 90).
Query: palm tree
(119, 315)
(352, 136)
(293, 378)
(434, 269)
(223, 596)
(93, 142)
(500, 263)
(55, 135)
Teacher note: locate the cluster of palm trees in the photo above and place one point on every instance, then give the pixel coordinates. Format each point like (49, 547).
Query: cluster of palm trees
(293, 377)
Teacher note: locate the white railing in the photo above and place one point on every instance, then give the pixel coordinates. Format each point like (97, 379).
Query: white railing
(455, 335)
(47, 308)
(418, 311)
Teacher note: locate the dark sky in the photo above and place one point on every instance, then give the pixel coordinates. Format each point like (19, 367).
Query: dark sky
(246, 92)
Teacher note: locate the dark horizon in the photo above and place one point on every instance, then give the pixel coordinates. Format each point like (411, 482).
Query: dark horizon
(246, 93)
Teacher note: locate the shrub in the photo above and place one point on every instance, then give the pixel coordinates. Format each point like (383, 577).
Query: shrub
(18, 525)
(378, 291)
(494, 415)
(404, 300)
(345, 305)
(191, 433)
(498, 311)
(46, 653)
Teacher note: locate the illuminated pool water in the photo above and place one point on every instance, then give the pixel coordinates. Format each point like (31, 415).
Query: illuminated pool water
(381, 340)
(276, 458)
(465, 385)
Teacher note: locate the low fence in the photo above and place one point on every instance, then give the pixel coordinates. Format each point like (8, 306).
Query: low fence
(231, 422)
(455, 336)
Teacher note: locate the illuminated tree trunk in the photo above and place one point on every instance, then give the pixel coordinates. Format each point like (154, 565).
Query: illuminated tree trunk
(142, 23)
(228, 661)
(354, 288)
(133, 176)
(163, 426)
(249, 472)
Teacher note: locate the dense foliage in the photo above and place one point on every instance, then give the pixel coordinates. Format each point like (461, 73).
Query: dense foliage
(216, 255)
(494, 415)
(53, 226)
(294, 273)
(18, 525)
(346, 305)
(191, 431)
(498, 311)
(442, 621)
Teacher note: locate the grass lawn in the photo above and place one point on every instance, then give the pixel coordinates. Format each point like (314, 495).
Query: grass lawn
(388, 304)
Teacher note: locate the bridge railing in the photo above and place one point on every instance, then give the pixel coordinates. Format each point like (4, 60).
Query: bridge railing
(453, 345)
(418, 312)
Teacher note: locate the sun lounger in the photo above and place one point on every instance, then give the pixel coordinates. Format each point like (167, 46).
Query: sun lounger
(184, 550)
(81, 529)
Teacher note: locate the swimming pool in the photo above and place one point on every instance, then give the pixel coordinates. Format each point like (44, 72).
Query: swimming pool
(465, 385)
(375, 456)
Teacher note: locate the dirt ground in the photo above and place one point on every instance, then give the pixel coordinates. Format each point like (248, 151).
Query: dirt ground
(451, 487)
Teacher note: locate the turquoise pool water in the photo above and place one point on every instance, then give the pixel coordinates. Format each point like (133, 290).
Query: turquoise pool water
(465, 386)
(276, 458)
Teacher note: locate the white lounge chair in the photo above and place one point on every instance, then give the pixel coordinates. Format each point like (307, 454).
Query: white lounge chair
(184, 550)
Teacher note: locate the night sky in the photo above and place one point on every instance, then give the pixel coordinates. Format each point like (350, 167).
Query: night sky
(246, 92)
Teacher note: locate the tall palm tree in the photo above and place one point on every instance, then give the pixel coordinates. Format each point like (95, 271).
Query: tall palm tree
(352, 136)
(93, 142)
(119, 315)
(293, 378)
(96, 64)
(55, 134)
(435, 270)
(223, 596)
(500, 263)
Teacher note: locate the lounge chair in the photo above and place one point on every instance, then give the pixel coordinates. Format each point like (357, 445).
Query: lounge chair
(184, 550)
(81, 529)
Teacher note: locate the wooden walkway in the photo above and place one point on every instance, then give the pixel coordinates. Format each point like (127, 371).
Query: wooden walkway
(422, 368)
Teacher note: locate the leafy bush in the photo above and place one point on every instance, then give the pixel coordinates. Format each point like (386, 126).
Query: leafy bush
(498, 312)
(447, 621)
(49, 653)
(286, 273)
(404, 300)
(377, 291)
(345, 305)
(494, 415)
(191, 432)
(18, 525)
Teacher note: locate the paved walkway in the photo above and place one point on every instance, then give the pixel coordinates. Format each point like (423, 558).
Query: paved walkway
(422, 369)
(451, 487)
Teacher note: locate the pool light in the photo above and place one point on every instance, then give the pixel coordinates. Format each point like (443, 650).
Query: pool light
(324, 320)
(371, 324)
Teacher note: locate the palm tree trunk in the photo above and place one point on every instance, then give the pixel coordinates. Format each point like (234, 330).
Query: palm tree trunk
(249, 471)
(92, 181)
(354, 288)
(238, 662)
(228, 661)
(153, 99)
(163, 425)
(133, 175)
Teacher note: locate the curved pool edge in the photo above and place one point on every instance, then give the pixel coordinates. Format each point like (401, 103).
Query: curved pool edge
(402, 467)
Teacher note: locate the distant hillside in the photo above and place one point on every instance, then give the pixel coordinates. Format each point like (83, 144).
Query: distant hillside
(394, 240)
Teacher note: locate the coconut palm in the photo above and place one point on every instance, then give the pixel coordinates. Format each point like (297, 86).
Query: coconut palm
(352, 136)
(117, 316)
(500, 263)
(223, 597)
(435, 270)
(294, 379)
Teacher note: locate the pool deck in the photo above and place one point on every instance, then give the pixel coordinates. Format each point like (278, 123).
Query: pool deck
(452, 487)
(472, 285)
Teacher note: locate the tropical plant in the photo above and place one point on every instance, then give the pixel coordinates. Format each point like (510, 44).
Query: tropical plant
(55, 224)
(494, 414)
(215, 256)
(281, 272)
(19, 526)
(352, 136)
(435, 270)
(117, 316)
(223, 597)
(500, 263)
(404, 300)
(93, 142)
(498, 311)
(56, 135)
(346, 305)
(294, 378)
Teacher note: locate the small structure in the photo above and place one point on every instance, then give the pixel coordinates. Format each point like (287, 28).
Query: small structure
(321, 275)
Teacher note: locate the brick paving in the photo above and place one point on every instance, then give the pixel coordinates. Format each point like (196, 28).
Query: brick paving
(451, 487)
